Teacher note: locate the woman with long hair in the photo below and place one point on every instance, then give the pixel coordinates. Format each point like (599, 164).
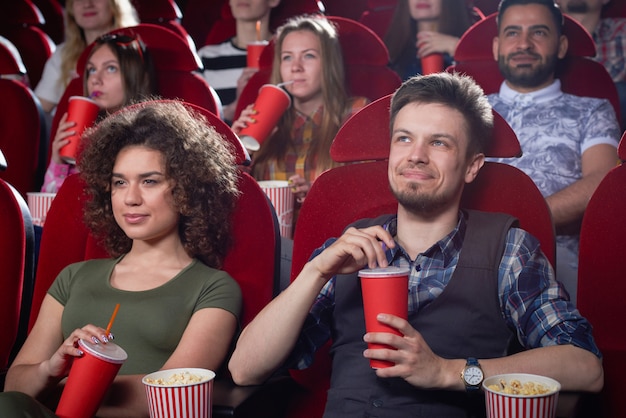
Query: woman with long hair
(308, 59)
(118, 72)
(85, 21)
(423, 27)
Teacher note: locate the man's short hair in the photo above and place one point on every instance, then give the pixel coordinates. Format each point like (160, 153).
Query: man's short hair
(457, 91)
(555, 10)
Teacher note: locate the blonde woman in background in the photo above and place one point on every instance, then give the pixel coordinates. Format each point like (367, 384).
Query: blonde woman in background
(85, 21)
(308, 57)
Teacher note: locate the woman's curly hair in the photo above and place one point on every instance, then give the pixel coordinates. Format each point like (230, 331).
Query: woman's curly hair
(197, 160)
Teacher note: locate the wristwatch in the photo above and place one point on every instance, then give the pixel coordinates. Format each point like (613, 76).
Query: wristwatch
(472, 375)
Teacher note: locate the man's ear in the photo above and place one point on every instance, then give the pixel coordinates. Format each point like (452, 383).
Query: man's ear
(563, 45)
(495, 44)
(476, 163)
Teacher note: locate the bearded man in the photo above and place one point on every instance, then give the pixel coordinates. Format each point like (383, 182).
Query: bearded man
(476, 283)
(568, 142)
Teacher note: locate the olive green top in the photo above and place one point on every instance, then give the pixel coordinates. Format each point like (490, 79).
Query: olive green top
(149, 324)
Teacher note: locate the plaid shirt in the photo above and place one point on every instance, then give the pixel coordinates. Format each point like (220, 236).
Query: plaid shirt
(610, 39)
(304, 132)
(532, 301)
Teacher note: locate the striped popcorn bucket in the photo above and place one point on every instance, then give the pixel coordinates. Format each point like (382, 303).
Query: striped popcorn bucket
(504, 405)
(180, 393)
(282, 198)
(38, 204)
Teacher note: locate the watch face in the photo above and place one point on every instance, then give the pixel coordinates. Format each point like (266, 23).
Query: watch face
(473, 375)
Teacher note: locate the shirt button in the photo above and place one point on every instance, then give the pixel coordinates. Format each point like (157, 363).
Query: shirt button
(377, 403)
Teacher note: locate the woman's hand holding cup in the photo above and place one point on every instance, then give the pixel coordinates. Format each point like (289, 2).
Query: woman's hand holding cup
(64, 130)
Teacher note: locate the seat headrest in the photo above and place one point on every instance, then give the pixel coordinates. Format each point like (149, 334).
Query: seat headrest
(154, 11)
(168, 50)
(365, 136)
(476, 42)
(10, 58)
(20, 13)
(360, 46)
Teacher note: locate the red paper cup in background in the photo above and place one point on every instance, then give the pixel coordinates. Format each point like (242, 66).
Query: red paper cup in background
(270, 105)
(38, 204)
(254, 50)
(504, 405)
(432, 63)
(84, 112)
(89, 379)
(280, 194)
(385, 290)
(180, 393)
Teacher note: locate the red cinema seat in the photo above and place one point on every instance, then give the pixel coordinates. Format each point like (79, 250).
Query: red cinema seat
(601, 285)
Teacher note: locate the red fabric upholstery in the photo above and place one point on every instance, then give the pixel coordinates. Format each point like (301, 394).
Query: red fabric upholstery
(152, 11)
(615, 8)
(53, 25)
(601, 284)
(16, 259)
(351, 9)
(474, 57)
(341, 191)
(165, 13)
(476, 42)
(10, 58)
(20, 12)
(35, 47)
(365, 58)
(360, 137)
(23, 140)
(199, 16)
(65, 238)
(378, 20)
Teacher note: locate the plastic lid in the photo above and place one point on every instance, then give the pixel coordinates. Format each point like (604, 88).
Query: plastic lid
(391, 271)
(110, 352)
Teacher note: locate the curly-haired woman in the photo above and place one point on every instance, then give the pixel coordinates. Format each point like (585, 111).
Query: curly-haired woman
(162, 184)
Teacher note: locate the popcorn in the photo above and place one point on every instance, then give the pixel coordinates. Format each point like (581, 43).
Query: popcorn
(183, 378)
(515, 387)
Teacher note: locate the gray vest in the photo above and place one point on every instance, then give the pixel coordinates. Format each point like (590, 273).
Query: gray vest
(464, 321)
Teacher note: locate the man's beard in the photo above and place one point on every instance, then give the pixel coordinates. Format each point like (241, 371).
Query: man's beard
(527, 79)
(580, 7)
(419, 203)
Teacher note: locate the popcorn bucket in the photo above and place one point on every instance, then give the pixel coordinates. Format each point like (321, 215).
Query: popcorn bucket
(180, 393)
(38, 204)
(530, 396)
(279, 193)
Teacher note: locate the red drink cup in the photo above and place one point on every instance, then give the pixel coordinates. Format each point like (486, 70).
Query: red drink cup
(89, 378)
(254, 53)
(385, 290)
(270, 105)
(84, 112)
(432, 63)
